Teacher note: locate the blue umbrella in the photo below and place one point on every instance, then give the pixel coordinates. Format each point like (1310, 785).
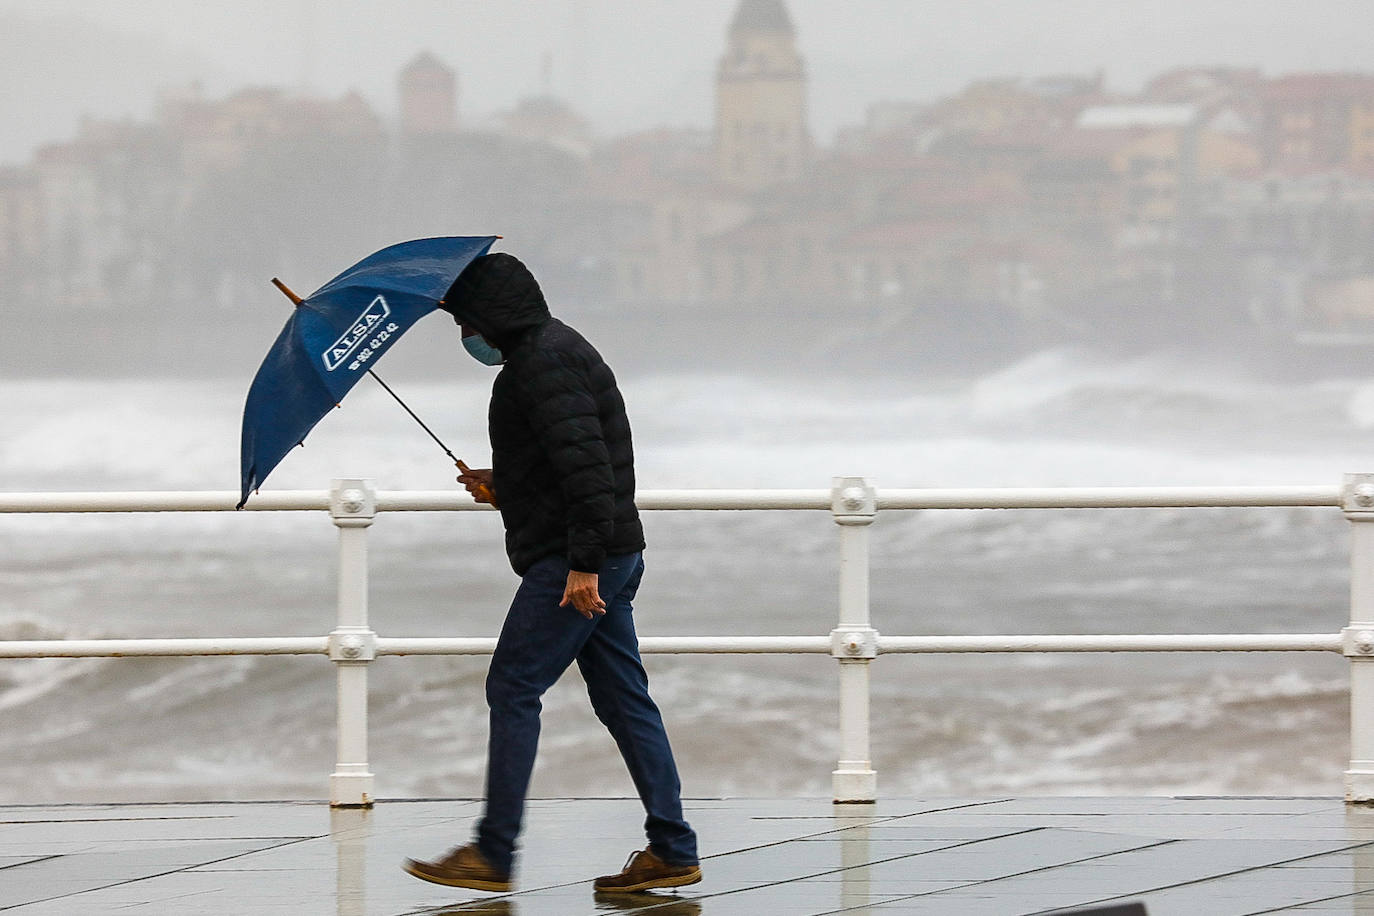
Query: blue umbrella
(336, 335)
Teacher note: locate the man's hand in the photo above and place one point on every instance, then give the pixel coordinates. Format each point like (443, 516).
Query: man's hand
(581, 593)
(477, 481)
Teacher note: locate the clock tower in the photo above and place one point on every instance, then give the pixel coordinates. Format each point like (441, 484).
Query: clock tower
(760, 132)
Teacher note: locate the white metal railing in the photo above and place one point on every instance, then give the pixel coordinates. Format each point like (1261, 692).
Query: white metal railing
(853, 503)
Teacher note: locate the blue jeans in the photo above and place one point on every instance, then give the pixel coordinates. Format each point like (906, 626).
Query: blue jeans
(538, 642)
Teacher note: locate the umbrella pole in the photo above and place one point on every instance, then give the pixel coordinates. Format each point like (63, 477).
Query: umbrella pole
(417, 419)
(482, 488)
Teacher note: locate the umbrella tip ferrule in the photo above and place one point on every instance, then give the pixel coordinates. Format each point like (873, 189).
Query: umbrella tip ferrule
(286, 290)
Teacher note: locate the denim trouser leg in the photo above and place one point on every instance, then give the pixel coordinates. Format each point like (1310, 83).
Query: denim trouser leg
(538, 642)
(619, 690)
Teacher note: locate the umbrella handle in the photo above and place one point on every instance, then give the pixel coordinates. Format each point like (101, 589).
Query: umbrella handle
(482, 489)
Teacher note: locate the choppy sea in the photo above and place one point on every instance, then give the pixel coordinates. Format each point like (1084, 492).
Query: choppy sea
(251, 728)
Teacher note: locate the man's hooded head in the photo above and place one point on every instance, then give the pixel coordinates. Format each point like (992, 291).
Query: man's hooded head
(498, 297)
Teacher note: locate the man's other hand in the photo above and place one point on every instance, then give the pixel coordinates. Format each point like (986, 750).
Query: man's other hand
(477, 481)
(581, 593)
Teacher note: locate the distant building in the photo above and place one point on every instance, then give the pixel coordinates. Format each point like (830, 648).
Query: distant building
(548, 119)
(219, 134)
(1159, 154)
(1316, 121)
(21, 230)
(761, 138)
(429, 96)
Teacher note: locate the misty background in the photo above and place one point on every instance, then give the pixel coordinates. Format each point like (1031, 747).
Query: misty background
(931, 185)
(961, 243)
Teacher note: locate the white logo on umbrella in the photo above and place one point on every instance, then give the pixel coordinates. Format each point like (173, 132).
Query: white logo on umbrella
(340, 350)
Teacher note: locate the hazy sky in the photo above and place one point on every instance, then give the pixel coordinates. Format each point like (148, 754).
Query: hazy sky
(626, 64)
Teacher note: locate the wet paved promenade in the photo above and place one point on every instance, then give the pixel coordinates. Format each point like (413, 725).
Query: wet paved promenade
(770, 857)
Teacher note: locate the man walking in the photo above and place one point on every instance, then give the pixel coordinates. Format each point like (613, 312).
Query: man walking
(563, 478)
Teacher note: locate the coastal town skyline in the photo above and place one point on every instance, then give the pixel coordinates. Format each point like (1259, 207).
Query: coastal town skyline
(1214, 202)
(133, 54)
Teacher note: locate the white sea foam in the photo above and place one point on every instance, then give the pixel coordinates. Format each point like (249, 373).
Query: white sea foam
(1051, 419)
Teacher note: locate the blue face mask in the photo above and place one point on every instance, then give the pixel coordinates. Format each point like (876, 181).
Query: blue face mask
(483, 352)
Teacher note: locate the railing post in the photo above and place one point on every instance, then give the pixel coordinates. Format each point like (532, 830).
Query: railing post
(353, 644)
(1357, 500)
(854, 503)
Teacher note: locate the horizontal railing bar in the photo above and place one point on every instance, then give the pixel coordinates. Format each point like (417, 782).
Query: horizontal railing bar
(163, 501)
(1109, 497)
(734, 499)
(434, 645)
(689, 645)
(648, 645)
(1151, 642)
(427, 501)
(735, 645)
(170, 648)
(448, 500)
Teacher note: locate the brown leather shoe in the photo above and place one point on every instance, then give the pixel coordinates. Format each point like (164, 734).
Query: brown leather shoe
(644, 870)
(464, 866)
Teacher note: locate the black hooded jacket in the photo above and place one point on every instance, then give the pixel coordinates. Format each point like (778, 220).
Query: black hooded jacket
(562, 459)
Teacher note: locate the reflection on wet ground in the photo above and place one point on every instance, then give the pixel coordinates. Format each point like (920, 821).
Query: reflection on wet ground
(761, 857)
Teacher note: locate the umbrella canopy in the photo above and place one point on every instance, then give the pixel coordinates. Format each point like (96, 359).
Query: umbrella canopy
(336, 335)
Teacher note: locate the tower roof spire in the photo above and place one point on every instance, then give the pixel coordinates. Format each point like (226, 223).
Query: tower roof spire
(762, 16)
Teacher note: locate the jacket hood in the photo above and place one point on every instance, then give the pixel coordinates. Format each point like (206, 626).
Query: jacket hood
(498, 297)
